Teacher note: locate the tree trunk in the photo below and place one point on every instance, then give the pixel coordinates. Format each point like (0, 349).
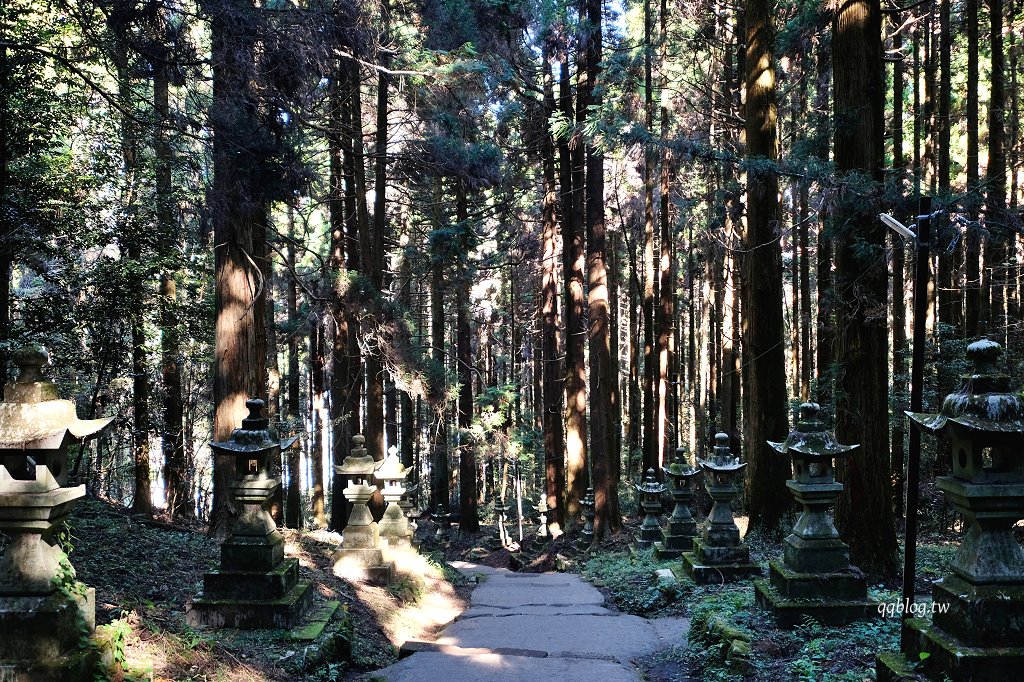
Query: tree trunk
(317, 363)
(764, 393)
(602, 380)
(293, 502)
(1000, 233)
(554, 439)
(469, 521)
(864, 512)
(575, 370)
(239, 228)
(972, 245)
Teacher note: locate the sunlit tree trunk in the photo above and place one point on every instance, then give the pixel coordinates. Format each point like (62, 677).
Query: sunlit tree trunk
(554, 439)
(575, 370)
(602, 381)
(293, 501)
(239, 228)
(765, 399)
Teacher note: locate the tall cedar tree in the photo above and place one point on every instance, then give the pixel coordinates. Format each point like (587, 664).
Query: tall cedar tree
(554, 437)
(468, 521)
(239, 230)
(602, 381)
(864, 512)
(762, 326)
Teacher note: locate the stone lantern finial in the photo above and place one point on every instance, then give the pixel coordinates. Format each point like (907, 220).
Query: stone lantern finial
(30, 361)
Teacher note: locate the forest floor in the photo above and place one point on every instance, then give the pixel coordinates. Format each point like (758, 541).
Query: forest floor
(144, 573)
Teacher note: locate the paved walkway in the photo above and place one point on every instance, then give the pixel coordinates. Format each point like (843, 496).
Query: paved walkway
(535, 627)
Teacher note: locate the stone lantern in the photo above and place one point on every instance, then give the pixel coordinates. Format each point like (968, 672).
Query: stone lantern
(815, 577)
(650, 500)
(256, 586)
(394, 527)
(682, 527)
(360, 556)
(718, 555)
(588, 504)
(41, 625)
(542, 517)
(977, 626)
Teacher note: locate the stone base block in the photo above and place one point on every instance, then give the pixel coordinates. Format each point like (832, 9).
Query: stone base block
(714, 555)
(249, 614)
(980, 615)
(273, 584)
(73, 667)
(46, 634)
(663, 550)
(252, 553)
(948, 658)
(817, 555)
(365, 565)
(705, 574)
(845, 585)
(791, 611)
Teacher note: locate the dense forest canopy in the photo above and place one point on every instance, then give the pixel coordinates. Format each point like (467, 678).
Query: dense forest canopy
(512, 240)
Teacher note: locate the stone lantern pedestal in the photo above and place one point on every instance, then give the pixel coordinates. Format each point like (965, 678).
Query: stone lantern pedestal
(394, 527)
(977, 627)
(45, 615)
(815, 577)
(256, 586)
(360, 556)
(681, 528)
(719, 556)
(650, 501)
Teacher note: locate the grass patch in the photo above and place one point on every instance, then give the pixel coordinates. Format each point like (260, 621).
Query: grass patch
(808, 652)
(629, 579)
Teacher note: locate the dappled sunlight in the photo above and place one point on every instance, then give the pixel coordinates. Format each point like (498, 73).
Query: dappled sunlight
(417, 604)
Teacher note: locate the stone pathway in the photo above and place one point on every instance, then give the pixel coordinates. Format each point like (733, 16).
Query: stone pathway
(536, 627)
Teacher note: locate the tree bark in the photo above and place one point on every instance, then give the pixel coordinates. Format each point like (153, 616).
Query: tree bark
(763, 331)
(554, 437)
(864, 512)
(239, 227)
(575, 370)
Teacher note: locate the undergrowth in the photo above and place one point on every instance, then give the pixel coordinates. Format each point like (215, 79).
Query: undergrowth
(629, 579)
(808, 652)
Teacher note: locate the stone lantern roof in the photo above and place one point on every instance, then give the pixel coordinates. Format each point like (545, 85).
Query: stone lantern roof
(358, 462)
(32, 416)
(810, 439)
(986, 405)
(722, 459)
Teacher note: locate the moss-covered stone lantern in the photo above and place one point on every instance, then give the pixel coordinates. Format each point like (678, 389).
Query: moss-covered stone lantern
(360, 556)
(977, 626)
(815, 577)
(681, 528)
(588, 504)
(394, 526)
(255, 586)
(43, 611)
(650, 501)
(719, 556)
